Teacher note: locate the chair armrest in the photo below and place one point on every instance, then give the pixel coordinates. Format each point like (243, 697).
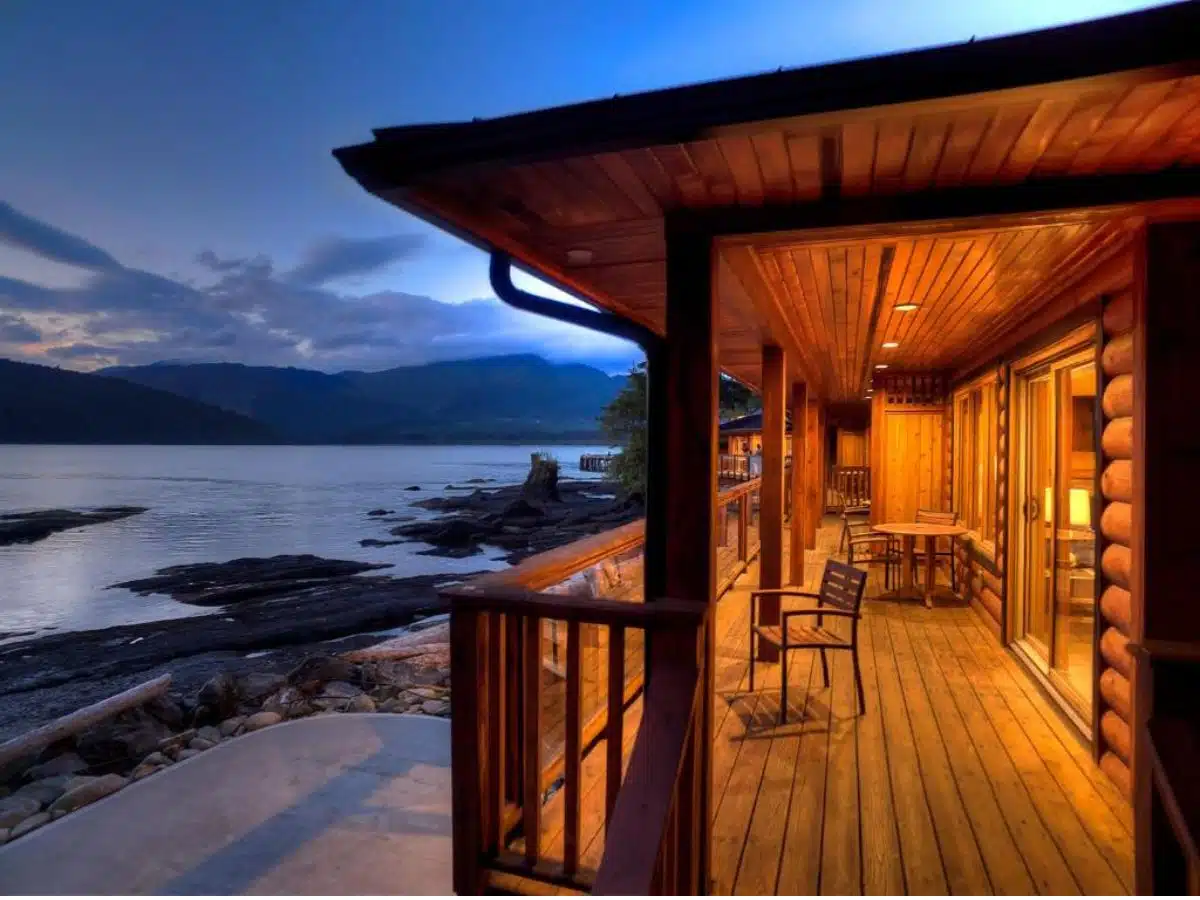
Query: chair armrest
(783, 592)
(823, 611)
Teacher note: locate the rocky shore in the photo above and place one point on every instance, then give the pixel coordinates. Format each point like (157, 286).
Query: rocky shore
(410, 674)
(30, 527)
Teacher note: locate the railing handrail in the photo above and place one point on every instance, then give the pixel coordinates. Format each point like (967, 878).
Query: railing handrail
(551, 567)
(662, 613)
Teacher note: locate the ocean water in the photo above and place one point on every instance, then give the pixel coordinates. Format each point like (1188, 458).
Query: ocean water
(217, 503)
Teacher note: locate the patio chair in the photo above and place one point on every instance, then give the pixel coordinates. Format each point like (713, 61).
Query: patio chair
(850, 513)
(940, 556)
(867, 547)
(840, 596)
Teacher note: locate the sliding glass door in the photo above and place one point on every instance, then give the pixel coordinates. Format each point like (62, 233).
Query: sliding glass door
(1054, 577)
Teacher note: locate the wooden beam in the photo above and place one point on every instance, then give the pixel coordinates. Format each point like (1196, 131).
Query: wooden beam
(1036, 201)
(799, 405)
(812, 470)
(681, 503)
(774, 425)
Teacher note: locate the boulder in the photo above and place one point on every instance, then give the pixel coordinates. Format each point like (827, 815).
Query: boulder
(316, 670)
(156, 759)
(167, 710)
(381, 512)
(435, 707)
(230, 727)
(45, 791)
(362, 704)
(200, 745)
(187, 754)
(143, 770)
(340, 690)
(218, 697)
(299, 710)
(88, 793)
(413, 487)
(16, 809)
(523, 509)
(257, 685)
(262, 720)
(5, 833)
(395, 705)
(128, 737)
(207, 733)
(30, 824)
(64, 764)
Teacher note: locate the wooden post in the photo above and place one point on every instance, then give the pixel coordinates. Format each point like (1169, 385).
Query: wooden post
(1165, 496)
(812, 471)
(774, 424)
(681, 499)
(799, 402)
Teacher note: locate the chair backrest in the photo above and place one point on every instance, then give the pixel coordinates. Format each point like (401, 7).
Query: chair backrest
(935, 517)
(842, 586)
(858, 529)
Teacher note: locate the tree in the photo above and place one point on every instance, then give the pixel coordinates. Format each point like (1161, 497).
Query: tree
(624, 423)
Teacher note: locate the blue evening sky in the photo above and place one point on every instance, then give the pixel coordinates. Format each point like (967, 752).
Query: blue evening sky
(167, 188)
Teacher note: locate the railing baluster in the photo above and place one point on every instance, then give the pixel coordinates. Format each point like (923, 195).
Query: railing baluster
(465, 787)
(494, 817)
(616, 719)
(571, 774)
(532, 708)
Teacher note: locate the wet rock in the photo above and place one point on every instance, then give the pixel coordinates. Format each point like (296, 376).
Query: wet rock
(257, 685)
(187, 754)
(167, 710)
(395, 705)
(15, 809)
(230, 727)
(65, 764)
(144, 770)
(156, 759)
(435, 707)
(45, 791)
(375, 542)
(30, 824)
(128, 737)
(298, 710)
(340, 690)
(207, 733)
(29, 527)
(523, 509)
(218, 698)
(262, 720)
(413, 487)
(317, 670)
(89, 793)
(5, 834)
(362, 704)
(381, 512)
(200, 745)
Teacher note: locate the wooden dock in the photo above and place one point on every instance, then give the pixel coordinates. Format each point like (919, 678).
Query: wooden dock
(595, 462)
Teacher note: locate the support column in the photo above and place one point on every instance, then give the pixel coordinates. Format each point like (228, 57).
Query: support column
(774, 428)
(814, 436)
(681, 499)
(799, 402)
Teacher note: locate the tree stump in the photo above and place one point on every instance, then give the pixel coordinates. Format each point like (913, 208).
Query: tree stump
(541, 484)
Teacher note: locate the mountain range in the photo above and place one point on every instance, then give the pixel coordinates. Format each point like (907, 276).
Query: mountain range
(516, 398)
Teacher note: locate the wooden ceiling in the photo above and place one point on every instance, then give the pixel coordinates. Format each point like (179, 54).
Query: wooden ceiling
(592, 219)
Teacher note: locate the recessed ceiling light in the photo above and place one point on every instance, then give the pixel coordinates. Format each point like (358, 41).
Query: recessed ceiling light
(881, 365)
(905, 307)
(890, 345)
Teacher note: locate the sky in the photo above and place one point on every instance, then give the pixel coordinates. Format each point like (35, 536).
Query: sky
(167, 190)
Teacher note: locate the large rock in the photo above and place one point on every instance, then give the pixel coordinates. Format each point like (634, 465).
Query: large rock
(262, 720)
(340, 690)
(88, 793)
(168, 710)
(218, 699)
(15, 809)
(64, 764)
(129, 737)
(257, 685)
(30, 824)
(28, 527)
(45, 791)
(315, 671)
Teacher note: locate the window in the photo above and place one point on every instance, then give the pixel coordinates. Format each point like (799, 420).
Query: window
(974, 488)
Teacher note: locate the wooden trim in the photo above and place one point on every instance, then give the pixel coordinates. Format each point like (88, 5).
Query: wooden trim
(796, 528)
(516, 601)
(1098, 508)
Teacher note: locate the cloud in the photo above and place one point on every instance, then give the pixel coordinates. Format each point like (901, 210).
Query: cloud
(246, 311)
(338, 258)
(35, 236)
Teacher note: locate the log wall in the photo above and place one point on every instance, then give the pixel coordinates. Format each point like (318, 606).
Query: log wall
(1113, 714)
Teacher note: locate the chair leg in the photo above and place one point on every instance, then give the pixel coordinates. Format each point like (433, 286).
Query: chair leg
(824, 668)
(862, 703)
(753, 653)
(953, 575)
(783, 707)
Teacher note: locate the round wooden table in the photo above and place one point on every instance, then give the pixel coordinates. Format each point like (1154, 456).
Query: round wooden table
(910, 531)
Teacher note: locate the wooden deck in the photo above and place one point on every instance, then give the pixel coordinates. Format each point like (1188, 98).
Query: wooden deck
(959, 778)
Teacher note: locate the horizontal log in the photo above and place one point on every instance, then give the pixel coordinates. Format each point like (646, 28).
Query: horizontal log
(1117, 358)
(1118, 397)
(1114, 688)
(1002, 443)
(1114, 648)
(1116, 522)
(993, 625)
(991, 582)
(1116, 481)
(1117, 439)
(1116, 605)
(1001, 468)
(33, 742)
(1117, 564)
(976, 584)
(1117, 735)
(1118, 314)
(991, 602)
(1118, 773)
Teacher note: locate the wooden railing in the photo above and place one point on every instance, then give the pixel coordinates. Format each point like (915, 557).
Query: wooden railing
(548, 658)
(848, 486)
(738, 467)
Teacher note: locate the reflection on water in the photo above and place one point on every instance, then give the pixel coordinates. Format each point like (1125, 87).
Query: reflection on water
(216, 503)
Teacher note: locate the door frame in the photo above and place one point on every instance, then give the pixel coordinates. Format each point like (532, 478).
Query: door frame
(1076, 343)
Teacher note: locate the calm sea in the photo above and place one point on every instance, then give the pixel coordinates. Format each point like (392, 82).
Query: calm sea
(217, 503)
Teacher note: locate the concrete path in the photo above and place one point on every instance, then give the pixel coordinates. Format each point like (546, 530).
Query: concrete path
(338, 804)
